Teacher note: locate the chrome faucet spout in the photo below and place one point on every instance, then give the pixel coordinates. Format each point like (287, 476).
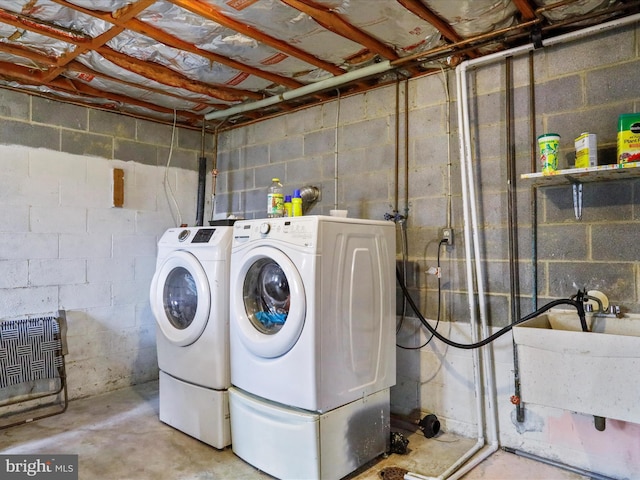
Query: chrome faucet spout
(589, 308)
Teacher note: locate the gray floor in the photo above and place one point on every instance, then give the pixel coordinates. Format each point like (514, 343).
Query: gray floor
(118, 436)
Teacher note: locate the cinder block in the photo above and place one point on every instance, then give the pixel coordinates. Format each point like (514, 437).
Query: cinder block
(57, 271)
(59, 113)
(596, 51)
(262, 132)
(130, 293)
(303, 121)
(15, 274)
(144, 268)
(364, 134)
(99, 319)
(85, 245)
(613, 84)
(14, 160)
(116, 270)
(30, 135)
(127, 246)
(112, 124)
(14, 104)
(17, 246)
(154, 133)
(352, 110)
(131, 151)
(110, 221)
(305, 171)
(56, 219)
(18, 302)
(13, 218)
(84, 143)
(85, 295)
(319, 142)
(49, 165)
(615, 242)
(616, 280)
(289, 148)
(562, 242)
(425, 122)
(253, 156)
(560, 95)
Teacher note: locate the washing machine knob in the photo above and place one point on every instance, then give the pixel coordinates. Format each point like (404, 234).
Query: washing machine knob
(182, 236)
(264, 228)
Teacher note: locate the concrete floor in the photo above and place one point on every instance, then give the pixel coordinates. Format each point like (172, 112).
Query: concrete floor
(118, 436)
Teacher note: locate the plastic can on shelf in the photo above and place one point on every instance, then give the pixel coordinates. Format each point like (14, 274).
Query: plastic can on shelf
(549, 143)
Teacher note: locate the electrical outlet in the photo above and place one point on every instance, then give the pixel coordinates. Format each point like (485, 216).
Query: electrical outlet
(447, 236)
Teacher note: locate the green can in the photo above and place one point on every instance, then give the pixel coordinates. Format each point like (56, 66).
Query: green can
(629, 138)
(549, 143)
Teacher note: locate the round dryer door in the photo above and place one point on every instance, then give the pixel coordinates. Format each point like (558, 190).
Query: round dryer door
(270, 299)
(181, 298)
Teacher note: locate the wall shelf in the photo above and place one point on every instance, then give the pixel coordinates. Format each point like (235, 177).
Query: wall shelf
(577, 176)
(585, 175)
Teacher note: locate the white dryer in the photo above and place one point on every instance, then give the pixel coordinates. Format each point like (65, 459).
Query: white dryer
(190, 300)
(313, 309)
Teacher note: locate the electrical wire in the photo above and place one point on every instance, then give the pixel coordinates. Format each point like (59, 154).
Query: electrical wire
(578, 304)
(445, 85)
(167, 184)
(439, 305)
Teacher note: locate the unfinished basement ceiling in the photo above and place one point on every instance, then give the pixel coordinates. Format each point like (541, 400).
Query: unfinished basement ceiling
(167, 60)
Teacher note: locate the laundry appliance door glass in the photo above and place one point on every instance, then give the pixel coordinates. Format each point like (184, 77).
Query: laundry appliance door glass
(181, 298)
(267, 296)
(272, 300)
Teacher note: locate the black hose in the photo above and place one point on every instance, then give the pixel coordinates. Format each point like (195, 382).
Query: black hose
(578, 304)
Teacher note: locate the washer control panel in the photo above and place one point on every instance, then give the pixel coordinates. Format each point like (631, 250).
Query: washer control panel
(298, 231)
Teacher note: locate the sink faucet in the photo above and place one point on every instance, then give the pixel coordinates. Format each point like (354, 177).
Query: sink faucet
(588, 307)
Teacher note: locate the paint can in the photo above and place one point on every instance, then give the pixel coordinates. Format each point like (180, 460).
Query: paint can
(586, 150)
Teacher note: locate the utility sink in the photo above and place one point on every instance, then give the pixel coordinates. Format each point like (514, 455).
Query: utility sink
(596, 372)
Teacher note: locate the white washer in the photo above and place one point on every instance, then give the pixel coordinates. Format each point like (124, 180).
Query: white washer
(313, 309)
(190, 300)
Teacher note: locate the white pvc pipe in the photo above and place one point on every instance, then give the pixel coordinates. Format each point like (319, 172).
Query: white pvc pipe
(464, 145)
(325, 84)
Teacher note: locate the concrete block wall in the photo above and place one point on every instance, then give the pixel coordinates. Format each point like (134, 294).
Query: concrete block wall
(63, 245)
(579, 86)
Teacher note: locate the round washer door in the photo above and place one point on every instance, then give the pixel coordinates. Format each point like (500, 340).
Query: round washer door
(269, 302)
(180, 298)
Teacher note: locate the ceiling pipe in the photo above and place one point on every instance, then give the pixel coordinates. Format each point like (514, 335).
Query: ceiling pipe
(332, 82)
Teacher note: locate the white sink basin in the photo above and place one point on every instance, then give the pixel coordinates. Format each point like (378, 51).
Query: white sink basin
(596, 372)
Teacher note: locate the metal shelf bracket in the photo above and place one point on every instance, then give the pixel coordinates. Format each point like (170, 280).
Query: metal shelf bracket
(577, 199)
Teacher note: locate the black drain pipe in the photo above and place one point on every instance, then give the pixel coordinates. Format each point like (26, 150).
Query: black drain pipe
(202, 181)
